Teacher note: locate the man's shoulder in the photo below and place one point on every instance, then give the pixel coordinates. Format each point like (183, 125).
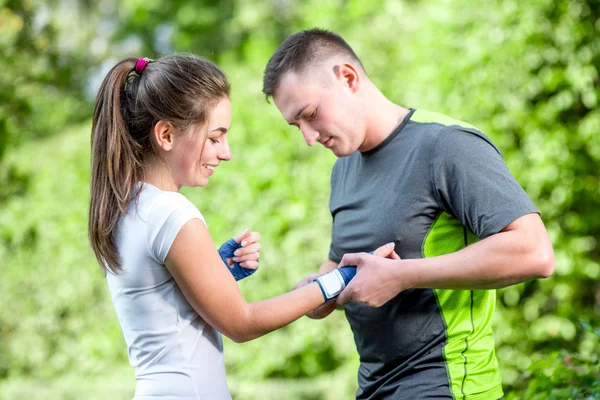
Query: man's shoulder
(421, 116)
(447, 131)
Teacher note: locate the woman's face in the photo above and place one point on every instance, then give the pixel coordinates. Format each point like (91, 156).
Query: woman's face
(195, 158)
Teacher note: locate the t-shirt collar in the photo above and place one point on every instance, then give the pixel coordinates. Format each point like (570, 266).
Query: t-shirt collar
(392, 135)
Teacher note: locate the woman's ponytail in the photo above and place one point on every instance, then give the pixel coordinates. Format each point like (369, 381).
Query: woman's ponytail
(116, 164)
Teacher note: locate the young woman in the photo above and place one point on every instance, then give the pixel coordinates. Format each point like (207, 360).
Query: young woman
(157, 126)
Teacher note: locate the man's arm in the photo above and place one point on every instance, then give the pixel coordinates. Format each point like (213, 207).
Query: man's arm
(520, 252)
(327, 266)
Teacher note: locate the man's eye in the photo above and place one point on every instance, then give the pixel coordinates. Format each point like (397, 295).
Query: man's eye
(312, 115)
(215, 141)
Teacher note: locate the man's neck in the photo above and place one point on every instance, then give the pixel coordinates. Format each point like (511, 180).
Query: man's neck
(383, 117)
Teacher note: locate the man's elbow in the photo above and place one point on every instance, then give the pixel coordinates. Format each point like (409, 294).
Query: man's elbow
(543, 261)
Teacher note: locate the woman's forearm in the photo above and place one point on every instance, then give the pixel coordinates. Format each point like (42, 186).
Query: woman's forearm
(268, 315)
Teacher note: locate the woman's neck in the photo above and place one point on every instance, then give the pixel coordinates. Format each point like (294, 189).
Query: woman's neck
(157, 175)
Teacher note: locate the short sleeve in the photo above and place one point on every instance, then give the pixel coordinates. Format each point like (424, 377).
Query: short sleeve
(169, 213)
(472, 182)
(332, 254)
(333, 182)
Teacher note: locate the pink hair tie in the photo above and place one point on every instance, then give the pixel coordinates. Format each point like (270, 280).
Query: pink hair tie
(141, 64)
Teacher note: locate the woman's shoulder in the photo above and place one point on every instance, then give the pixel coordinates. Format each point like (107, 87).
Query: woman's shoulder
(151, 203)
(166, 202)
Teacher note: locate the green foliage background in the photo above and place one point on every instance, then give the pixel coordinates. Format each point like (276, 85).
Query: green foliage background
(526, 73)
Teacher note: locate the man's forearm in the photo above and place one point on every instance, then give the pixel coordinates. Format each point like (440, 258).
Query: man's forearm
(500, 260)
(327, 266)
(521, 251)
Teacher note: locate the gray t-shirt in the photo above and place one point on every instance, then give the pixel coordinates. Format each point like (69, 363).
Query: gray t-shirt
(434, 186)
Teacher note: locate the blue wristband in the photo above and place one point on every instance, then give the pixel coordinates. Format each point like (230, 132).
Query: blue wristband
(349, 271)
(333, 282)
(345, 273)
(226, 251)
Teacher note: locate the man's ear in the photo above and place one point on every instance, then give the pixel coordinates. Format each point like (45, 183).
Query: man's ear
(164, 134)
(349, 75)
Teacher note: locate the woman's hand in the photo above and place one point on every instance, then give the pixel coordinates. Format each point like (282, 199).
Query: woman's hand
(241, 254)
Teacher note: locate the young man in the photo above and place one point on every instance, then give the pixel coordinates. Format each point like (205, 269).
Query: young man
(439, 189)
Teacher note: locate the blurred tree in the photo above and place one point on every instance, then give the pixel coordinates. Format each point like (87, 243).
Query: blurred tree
(526, 73)
(44, 71)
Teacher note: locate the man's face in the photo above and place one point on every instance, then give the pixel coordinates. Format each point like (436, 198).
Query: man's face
(323, 107)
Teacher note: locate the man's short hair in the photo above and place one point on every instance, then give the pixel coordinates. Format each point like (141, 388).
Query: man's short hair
(306, 48)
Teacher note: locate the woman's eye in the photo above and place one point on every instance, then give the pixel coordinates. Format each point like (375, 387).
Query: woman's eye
(214, 141)
(312, 115)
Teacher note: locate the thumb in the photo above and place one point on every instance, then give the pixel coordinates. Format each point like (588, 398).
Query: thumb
(351, 259)
(306, 280)
(394, 256)
(242, 236)
(385, 250)
(345, 296)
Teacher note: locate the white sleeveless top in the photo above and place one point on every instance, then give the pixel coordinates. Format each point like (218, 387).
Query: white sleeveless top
(175, 353)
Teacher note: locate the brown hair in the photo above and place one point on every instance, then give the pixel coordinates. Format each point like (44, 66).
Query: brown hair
(180, 89)
(304, 49)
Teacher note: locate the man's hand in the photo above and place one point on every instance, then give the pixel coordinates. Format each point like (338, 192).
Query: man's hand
(386, 251)
(375, 282)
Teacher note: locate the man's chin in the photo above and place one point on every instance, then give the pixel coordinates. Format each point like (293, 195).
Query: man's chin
(339, 153)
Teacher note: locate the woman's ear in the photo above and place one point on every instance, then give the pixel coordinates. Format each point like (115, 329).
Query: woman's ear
(164, 134)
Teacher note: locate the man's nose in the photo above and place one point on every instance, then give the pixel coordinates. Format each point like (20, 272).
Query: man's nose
(310, 135)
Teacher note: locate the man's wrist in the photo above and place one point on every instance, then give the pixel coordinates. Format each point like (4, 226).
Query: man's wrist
(405, 275)
(327, 266)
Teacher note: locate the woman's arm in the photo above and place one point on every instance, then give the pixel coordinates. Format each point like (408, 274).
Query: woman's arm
(212, 291)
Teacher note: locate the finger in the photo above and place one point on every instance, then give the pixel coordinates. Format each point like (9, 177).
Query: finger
(247, 257)
(385, 250)
(253, 248)
(305, 281)
(351, 259)
(345, 296)
(393, 256)
(250, 264)
(323, 310)
(242, 236)
(252, 238)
